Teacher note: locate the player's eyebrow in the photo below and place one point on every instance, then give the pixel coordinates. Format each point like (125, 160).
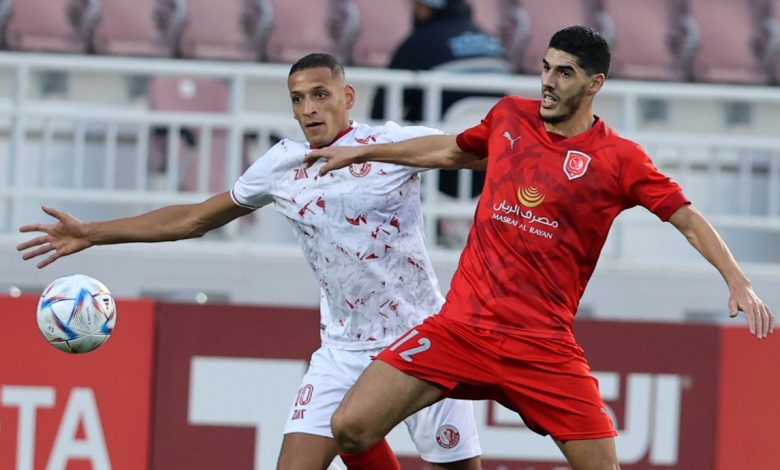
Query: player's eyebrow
(559, 67)
(314, 89)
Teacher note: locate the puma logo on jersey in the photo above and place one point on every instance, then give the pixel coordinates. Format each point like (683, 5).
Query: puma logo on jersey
(510, 139)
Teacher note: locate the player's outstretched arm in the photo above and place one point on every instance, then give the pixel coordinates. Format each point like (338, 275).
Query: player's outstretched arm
(742, 298)
(69, 235)
(434, 151)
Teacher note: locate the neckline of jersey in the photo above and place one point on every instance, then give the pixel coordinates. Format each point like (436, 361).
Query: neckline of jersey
(557, 139)
(338, 136)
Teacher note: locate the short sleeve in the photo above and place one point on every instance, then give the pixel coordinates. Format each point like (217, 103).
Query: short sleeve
(642, 184)
(397, 133)
(475, 139)
(253, 188)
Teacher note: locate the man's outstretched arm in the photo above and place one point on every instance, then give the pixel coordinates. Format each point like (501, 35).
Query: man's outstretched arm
(699, 232)
(69, 235)
(433, 151)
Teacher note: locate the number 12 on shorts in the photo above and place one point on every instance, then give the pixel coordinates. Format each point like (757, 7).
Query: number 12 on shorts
(423, 345)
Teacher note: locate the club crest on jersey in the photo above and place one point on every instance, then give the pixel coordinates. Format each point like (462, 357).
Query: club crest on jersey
(575, 164)
(447, 436)
(360, 170)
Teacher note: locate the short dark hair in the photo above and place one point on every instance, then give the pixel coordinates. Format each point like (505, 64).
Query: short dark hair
(317, 60)
(588, 46)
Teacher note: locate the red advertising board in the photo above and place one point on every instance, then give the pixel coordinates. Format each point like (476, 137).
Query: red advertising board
(748, 414)
(75, 412)
(226, 378)
(658, 382)
(213, 385)
(666, 405)
(228, 375)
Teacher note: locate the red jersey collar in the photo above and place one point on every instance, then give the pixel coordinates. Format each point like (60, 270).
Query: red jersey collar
(555, 137)
(340, 135)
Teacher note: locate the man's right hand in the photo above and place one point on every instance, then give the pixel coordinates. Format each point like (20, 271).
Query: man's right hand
(335, 157)
(65, 237)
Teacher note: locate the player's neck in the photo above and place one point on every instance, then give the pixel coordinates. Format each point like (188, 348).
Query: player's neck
(580, 122)
(341, 134)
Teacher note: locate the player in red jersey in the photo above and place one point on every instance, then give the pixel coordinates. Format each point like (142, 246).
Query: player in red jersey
(557, 178)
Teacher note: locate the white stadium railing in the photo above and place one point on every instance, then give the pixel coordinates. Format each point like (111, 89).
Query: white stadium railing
(88, 149)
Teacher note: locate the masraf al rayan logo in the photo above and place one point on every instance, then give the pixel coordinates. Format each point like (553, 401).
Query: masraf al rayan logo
(530, 197)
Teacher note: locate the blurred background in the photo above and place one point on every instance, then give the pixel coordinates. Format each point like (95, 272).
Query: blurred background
(109, 108)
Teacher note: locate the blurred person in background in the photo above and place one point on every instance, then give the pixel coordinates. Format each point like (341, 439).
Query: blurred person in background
(445, 38)
(557, 178)
(361, 232)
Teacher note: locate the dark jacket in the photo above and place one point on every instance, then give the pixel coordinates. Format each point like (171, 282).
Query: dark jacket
(450, 40)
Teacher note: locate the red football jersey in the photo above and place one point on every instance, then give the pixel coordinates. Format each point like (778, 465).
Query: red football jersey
(543, 216)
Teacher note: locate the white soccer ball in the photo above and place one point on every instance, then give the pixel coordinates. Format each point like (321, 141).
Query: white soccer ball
(76, 313)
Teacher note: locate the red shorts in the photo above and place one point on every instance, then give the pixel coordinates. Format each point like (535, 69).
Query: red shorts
(546, 381)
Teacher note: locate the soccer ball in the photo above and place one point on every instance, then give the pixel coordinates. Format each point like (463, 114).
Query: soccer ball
(76, 313)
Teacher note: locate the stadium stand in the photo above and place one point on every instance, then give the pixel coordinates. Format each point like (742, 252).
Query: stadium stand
(300, 27)
(507, 20)
(202, 171)
(729, 54)
(644, 49)
(235, 30)
(141, 27)
(383, 25)
(6, 7)
(488, 14)
(68, 29)
(542, 25)
(343, 23)
(728, 164)
(768, 12)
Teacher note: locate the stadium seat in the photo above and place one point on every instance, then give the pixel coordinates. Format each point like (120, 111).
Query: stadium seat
(190, 95)
(640, 49)
(508, 21)
(727, 54)
(488, 14)
(140, 27)
(343, 23)
(51, 25)
(383, 25)
(6, 7)
(467, 112)
(300, 28)
(228, 30)
(768, 45)
(542, 25)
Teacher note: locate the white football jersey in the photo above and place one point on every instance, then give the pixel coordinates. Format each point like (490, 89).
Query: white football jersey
(361, 230)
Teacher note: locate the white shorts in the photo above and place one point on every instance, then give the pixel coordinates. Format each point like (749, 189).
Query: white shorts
(443, 432)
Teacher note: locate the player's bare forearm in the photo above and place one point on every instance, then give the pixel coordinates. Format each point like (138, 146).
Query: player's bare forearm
(164, 224)
(703, 236)
(435, 151)
(168, 223)
(69, 235)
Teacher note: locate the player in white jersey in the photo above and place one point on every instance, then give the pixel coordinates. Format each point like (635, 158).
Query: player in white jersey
(361, 232)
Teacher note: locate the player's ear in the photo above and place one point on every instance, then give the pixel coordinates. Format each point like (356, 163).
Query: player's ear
(596, 82)
(350, 94)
